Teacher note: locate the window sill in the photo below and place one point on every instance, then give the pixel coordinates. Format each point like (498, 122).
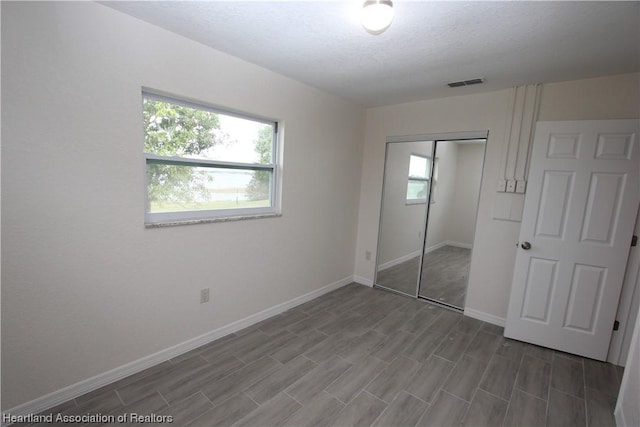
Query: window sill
(177, 223)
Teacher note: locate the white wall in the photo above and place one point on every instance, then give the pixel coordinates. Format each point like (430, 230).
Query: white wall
(462, 218)
(439, 212)
(85, 287)
(453, 216)
(613, 97)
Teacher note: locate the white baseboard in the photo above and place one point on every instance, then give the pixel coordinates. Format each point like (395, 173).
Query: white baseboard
(459, 244)
(85, 386)
(397, 261)
(435, 247)
(363, 281)
(407, 257)
(485, 317)
(447, 243)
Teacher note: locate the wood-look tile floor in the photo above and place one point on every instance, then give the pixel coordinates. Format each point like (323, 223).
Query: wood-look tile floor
(444, 275)
(402, 277)
(358, 357)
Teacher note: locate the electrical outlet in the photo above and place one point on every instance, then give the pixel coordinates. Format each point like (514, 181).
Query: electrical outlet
(204, 295)
(367, 255)
(511, 186)
(521, 186)
(502, 185)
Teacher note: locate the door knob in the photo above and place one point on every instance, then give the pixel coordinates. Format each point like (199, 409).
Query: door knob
(526, 246)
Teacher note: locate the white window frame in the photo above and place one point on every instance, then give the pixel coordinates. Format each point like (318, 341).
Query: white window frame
(164, 218)
(426, 180)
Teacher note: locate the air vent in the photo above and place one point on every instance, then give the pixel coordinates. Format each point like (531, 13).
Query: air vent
(466, 82)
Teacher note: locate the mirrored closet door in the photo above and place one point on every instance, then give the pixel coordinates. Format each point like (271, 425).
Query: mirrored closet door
(429, 205)
(405, 204)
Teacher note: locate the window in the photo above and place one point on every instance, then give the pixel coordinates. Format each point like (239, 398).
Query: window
(418, 181)
(203, 162)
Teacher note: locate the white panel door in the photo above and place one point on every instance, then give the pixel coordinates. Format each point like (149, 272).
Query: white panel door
(578, 219)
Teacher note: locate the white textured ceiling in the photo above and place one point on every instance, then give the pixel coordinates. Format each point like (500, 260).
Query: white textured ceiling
(429, 44)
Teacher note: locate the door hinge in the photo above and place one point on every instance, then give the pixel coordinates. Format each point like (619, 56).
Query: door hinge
(616, 325)
(634, 240)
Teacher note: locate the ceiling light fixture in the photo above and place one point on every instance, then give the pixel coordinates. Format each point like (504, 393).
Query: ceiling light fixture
(377, 15)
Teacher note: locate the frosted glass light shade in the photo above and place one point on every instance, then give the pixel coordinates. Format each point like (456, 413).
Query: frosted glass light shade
(377, 15)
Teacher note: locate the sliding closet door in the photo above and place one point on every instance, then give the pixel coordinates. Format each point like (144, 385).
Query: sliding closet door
(450, 233)
(408, 167)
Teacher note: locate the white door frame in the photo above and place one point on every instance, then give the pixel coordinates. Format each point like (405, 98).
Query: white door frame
(628, 306)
